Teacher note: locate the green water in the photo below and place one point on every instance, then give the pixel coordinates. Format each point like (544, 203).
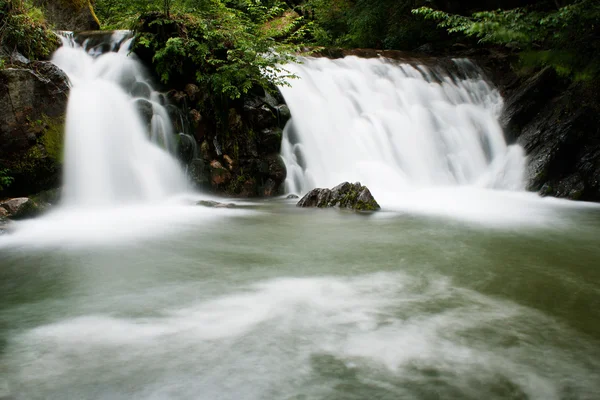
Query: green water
(281, 303)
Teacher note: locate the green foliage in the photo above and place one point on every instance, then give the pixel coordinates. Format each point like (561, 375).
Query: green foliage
(5, 178)
(23, 27)
(565, 39)
(223, 48)
(368, 23)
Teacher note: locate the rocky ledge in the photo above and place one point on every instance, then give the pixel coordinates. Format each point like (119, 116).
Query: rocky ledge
(352, 196)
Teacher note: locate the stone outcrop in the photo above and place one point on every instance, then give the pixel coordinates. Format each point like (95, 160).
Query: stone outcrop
(558, 124)
(345, 195)
(69, 15)
(243, 160)
(33, 101)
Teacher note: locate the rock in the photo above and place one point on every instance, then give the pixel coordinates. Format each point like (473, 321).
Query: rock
(18, 58)
(214, 204)
(345, 195)
(229, 161)
(269, 188)
(270, 140)
(219, 176)
(141, 89)
(292, 196)
(283, 115)
(205, 151)
(195, 116)
(192, 91)
(21, 208)
(145, 110)
(559, 128)
(69, 15)
(198, 173)
(32, 107)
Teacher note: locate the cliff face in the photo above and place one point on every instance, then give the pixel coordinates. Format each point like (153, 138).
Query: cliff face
(558, 124)
(33, 101)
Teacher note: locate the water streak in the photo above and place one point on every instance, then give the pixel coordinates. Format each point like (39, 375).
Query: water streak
(109, 159)
(397, 128)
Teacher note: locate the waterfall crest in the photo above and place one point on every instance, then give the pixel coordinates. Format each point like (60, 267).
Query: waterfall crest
(397, 128)
(109, 157)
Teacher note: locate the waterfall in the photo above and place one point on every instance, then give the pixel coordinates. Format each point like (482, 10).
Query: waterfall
(395, 127)
(111, 155)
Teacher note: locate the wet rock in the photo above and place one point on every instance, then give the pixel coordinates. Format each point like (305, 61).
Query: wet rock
(141, 89)
(292, 196)
(345, 195)
(270, 140)
(559, 128)
(198, 173)
(145, 110)
(283, 115)
(214, 204)
(269, 188)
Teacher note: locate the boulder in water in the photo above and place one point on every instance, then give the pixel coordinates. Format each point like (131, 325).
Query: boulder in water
(214, 204)
(20, 208)
(352, 196)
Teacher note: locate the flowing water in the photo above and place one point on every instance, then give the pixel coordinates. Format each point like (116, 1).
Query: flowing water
(109, 157)
(476, 291)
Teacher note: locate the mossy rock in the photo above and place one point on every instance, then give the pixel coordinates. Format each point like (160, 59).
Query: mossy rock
(353, 196)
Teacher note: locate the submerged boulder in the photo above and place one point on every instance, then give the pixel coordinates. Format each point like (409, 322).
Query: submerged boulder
(352, 196)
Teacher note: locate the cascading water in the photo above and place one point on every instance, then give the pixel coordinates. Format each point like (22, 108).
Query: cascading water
(397, 128)
(109, 156)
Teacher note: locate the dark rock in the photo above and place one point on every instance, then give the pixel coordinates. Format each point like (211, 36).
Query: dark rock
(559, 128)
(145, 109)
(195, 116)
(270, 140)
(219, 176)
(529, 99)
(192, 91)
(345, 195)
(205, 151)
(198, 173)
(69, 15)
(32, 108)
(214, 204)
(292, 196)
(283, 115)
(269, 189)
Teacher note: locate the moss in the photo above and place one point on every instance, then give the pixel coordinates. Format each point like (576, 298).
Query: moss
(53, 137)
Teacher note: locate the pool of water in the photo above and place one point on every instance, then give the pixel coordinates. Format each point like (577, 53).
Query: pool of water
(268, 301)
